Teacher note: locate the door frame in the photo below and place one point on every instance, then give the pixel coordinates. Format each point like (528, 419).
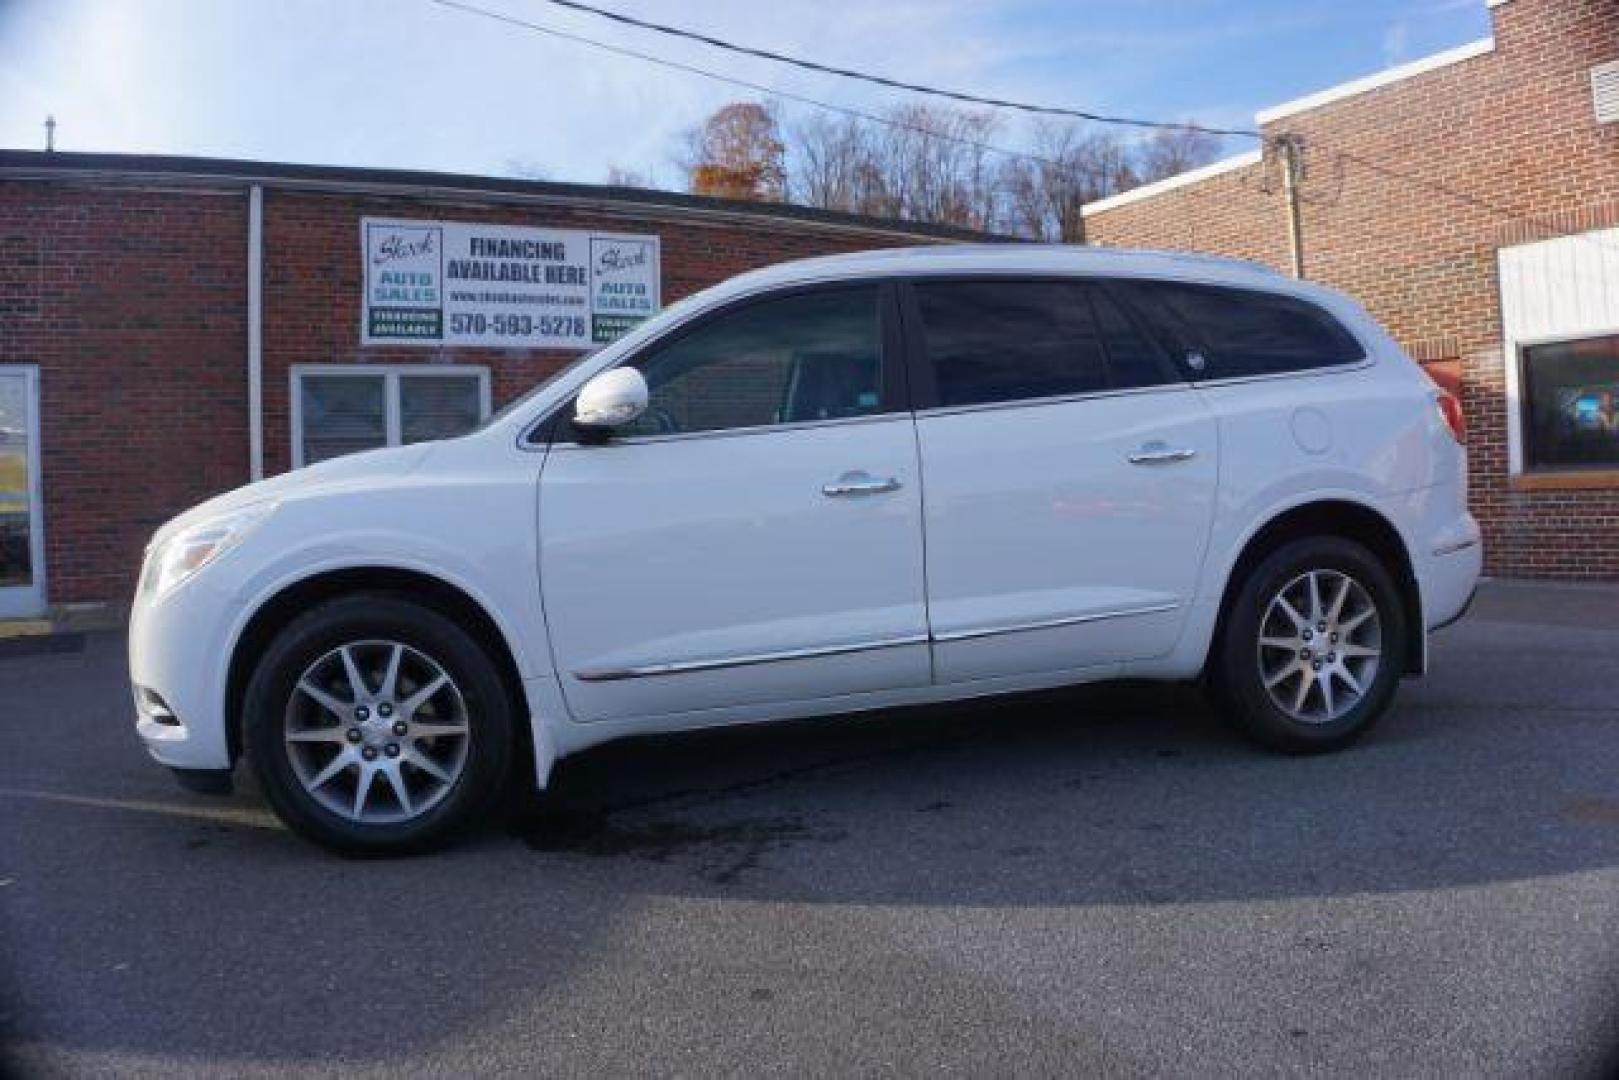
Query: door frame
(953, 646)
(28, 601)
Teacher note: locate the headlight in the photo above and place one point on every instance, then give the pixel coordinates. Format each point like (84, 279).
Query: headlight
(187, 551)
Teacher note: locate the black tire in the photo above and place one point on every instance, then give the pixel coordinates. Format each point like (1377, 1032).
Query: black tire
(1238, 680)
(390, 617)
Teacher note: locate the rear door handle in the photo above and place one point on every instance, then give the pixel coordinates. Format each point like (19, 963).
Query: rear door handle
(859, 482)
(1158, 452)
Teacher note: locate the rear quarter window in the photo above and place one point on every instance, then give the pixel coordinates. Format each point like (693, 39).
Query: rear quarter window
(1224, 333)
(994, 341)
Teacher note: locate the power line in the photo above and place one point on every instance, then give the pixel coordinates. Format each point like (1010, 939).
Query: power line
(1045, 110)
(692, 69)
(1072, 168)
(897, 84)
(1092, 173)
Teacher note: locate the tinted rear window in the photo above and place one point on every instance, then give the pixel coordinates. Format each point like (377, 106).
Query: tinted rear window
(1133, 359)
(994, 341)
(1240, 332)
(1006, 341)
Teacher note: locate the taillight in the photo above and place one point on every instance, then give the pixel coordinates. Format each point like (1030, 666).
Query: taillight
(1451, 410)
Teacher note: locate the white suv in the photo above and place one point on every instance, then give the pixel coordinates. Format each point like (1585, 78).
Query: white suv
(840, 484)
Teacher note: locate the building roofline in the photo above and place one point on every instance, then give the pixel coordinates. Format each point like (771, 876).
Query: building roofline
(178, 170)
(1263, 117)
(1170, 183)
(1481, 47)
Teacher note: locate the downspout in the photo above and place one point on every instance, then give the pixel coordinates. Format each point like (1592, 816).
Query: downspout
(1292, 148)
(255, 332)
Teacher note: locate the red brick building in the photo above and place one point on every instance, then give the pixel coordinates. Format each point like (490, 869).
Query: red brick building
(170, 327)
(1471, 201)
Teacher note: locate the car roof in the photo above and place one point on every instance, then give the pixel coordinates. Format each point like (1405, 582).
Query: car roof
(1013, 258)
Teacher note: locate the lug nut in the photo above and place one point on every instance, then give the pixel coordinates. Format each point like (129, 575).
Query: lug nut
(1304, 654)
(354, 734)
(1315, 665)
(1308, 635)
(1332, 658)
(400, 727)
(392, 749)
(369, 753)
(1333, 638)
(1321, 626)
(362, 714)
(385, 710)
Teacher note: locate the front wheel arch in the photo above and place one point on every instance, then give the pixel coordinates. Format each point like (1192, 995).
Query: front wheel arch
(1339, 518)
(281, 609)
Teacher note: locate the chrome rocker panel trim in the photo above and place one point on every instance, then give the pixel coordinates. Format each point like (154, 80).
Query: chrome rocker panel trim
(682, 667)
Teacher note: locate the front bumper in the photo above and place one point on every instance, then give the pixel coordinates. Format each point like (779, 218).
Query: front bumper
(179, 659)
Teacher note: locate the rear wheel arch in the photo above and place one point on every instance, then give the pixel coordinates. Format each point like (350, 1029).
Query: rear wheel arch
(1349, 521)
(278, 611)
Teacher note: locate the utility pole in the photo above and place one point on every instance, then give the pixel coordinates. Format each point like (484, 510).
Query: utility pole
(1291, 148)
(50, 134)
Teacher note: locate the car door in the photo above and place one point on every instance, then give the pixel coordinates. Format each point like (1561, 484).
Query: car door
(1069, 478)
(755, 537)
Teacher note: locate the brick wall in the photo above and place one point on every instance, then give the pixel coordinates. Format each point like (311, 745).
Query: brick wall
(132, 305)
(132, 302)
(1514, 129)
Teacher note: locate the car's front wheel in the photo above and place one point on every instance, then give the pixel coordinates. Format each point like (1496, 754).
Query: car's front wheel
(1310, 652)
(375, 724)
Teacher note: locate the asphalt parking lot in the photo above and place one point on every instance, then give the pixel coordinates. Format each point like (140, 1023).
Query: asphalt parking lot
(1088, 881)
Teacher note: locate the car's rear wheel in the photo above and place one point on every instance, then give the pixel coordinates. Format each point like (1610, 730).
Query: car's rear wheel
(377, 725)
(1311, 649)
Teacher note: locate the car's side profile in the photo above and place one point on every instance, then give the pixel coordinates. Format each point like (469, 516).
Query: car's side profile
(834, 485)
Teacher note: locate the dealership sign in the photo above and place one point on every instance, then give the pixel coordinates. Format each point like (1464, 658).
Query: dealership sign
(452, 283)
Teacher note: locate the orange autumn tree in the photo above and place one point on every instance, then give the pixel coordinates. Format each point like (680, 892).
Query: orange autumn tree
(738, 153)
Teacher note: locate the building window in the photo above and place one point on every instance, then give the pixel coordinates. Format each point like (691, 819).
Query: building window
(340, 410)
(1571, 404)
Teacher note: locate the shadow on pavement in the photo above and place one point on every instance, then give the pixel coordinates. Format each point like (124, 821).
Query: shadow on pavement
(142, 921)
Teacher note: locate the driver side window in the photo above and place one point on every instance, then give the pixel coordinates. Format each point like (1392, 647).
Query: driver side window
(804, 357)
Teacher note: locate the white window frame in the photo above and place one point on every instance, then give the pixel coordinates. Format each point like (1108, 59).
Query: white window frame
(1569, 301)
(391, 375)
(28, 601)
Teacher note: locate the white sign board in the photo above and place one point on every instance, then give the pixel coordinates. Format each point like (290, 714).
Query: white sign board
(453, 283)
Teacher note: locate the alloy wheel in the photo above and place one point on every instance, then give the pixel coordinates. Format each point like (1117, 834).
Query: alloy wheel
(1320, 644)
(377, 731)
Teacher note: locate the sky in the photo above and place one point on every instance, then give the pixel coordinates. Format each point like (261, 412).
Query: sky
(411, 84)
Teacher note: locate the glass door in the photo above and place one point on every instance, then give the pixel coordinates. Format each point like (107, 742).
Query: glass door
(22, 541)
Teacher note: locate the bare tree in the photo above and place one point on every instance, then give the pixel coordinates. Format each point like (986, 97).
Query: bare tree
(937, 166)
(1069, 166)
(1170, 151)
(834, 165)
(940, 164)
(924, 163)
(619, 176)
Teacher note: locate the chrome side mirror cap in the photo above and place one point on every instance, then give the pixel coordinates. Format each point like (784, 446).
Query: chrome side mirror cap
(611, 400)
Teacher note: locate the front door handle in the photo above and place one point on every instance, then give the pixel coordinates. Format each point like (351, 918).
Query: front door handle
(859, 482)
(1158, 452)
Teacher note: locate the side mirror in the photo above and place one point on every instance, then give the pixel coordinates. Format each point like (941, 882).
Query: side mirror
(610, 400)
